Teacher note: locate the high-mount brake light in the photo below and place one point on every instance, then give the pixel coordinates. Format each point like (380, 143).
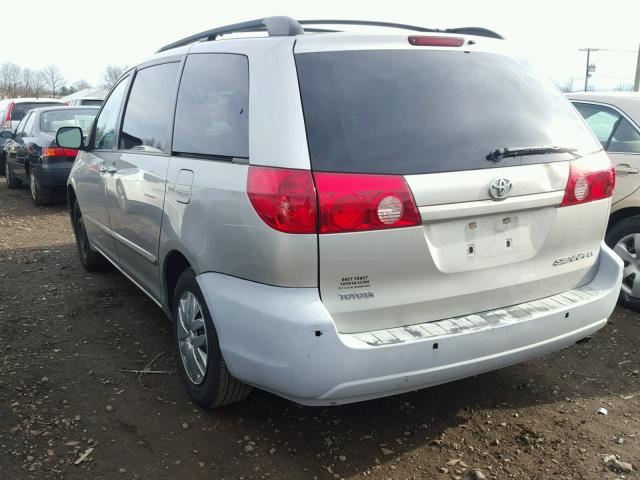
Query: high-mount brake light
(350, 202)
(590, 179)
(427, 41)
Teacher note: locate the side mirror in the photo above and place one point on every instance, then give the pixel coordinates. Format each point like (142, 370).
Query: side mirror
(6, 134)
(69, 137)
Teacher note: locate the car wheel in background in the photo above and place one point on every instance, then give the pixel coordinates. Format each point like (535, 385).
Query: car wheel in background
(204, 372)
(12, 181)
(2, 164)
(90, 260)
(624, 239)
(40, 195)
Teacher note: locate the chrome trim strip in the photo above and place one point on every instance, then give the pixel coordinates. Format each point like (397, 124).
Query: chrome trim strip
(466, 324)
(127, 275)
(127, 243)
(435, 213)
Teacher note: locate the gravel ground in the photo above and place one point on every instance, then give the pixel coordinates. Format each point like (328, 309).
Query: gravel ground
(69, 410)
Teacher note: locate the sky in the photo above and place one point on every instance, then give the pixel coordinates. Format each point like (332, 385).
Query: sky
(83, 36)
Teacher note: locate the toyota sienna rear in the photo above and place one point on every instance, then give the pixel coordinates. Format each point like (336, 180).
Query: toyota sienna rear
(350, 216)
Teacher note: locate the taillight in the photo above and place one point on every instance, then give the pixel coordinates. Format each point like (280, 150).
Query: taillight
(356, 202)
(426, 41)
(590, 179)
(59, 152)
(284, 199)
(6, 123)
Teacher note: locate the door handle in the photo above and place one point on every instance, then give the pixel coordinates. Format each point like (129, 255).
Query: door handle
(112, 169)
(625, 168)
(102, 169)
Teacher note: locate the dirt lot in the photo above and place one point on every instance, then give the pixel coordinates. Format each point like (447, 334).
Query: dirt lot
(66, 336)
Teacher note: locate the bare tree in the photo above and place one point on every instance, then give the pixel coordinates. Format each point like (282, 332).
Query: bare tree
(567, 86)
(27, 81)
(624, 87)
(10, 78)
(111, 75)
(53, 79)
(38, 83)
(81, 84)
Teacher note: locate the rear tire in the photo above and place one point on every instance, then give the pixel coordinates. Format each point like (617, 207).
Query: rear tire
(40, 195)
(620, 238)
(12, 182)
(2, 164)
(209, 382)
(91, 261)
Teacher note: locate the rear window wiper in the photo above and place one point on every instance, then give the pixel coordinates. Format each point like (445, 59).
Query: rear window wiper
(507, 152)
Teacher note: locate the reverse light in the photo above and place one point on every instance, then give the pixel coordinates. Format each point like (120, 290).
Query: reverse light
(590, 179)
(356, 202)
(426, 41)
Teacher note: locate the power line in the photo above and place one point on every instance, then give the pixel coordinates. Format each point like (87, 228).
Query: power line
(591, 68)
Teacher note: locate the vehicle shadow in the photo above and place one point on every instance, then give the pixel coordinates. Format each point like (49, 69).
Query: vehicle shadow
(108, 329)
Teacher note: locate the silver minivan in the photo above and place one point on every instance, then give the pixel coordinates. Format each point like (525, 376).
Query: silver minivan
(335, 217)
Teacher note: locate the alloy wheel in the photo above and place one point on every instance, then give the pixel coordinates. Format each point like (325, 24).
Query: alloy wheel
(628, 249)
(192, 337)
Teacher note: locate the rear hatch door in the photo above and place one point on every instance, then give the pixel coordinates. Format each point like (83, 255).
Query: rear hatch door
(434, 116)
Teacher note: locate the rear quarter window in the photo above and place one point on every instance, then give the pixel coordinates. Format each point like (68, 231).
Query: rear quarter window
(212, 114)
(423, 111)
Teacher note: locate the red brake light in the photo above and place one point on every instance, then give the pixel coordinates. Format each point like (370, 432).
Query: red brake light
(356, 202)
(59, 152)
(589, 179)
(284, 199)
(425, 41)
(7, 120)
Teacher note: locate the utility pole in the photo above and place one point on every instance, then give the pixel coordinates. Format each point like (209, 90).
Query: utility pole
(588, 67)
(636, 84)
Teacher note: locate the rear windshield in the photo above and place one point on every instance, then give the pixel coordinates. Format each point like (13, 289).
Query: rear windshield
(20, 109)
(409, 112)
(68, 117)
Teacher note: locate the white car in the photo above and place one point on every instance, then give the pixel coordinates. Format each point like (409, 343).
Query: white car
(615, 119)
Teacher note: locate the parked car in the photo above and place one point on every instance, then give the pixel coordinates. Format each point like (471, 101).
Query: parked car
(87, 101)
(615, 120)
(337, 217)
(12, 111)
(32, 155)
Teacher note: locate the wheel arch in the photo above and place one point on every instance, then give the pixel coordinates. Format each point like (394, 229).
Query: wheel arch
(71, 197)
(622, 214)
(175, 262)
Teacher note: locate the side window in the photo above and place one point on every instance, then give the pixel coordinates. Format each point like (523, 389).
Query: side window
(626, 138)
(212, 114)
(147, 116)
(105, 130)
(28, 125)
(602, 120)
(20, 127)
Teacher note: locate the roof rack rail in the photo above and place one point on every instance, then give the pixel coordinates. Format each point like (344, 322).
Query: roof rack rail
(279, 26)
(478, 31)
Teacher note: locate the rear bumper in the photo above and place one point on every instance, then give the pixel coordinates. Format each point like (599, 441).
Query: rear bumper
(284, 340)
(52, 177)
